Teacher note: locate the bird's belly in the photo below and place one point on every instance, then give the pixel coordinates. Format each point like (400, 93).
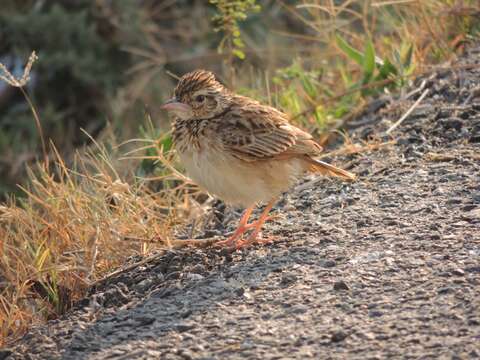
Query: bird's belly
(238, 182)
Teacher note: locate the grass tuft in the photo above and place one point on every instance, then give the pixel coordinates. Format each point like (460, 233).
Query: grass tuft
(74, 226)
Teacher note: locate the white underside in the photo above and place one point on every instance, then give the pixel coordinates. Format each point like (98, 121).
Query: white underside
(237, 182)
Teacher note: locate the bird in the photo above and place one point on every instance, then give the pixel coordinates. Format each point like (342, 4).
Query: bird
(239, 150)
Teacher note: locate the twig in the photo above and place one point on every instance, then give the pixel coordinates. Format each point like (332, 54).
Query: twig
(38, 124)
(195, 242)
(176, 77)
(126, 268)
(452, 156)
(7, 76)
(409, 111)
(417, 90)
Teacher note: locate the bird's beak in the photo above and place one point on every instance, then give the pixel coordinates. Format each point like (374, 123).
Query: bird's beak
(174, 105)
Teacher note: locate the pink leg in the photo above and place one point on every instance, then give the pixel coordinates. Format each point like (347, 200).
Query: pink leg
(257, 227)
(243, 226)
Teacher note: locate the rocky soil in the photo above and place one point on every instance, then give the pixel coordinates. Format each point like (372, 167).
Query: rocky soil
(386, 267)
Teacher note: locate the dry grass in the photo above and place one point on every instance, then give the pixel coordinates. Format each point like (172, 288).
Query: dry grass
(78, 223)
(73, 227)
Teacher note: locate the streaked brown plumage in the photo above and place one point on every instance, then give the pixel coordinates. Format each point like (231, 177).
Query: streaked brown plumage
(238, 149)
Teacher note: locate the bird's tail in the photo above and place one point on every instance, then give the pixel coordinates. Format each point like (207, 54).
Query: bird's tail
(317, 166)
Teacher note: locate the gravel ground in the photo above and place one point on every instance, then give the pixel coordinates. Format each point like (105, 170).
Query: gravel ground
(386, 267)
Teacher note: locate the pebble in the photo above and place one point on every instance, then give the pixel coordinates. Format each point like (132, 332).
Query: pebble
(288, 279)
(375, 313)
(458, 272)
(5, 353)
(338, 336)
(143, 285)
(452, 123)
(340, 285)
(182, 327)
(328, 263)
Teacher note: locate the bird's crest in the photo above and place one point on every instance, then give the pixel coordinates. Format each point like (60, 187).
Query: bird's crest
(194, 81)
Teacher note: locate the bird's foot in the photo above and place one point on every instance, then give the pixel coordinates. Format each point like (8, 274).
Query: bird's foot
(236, 239)
(252, 240)
(237, 235)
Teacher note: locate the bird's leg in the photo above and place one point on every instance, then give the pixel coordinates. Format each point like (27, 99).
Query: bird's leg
(257, 226)
(243, 226)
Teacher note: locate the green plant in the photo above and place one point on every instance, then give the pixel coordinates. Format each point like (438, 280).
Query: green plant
(299, 88)
(227, 20)
(230, 14)
(378, 71)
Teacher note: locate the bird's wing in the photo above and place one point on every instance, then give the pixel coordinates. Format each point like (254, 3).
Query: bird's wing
(256, 132)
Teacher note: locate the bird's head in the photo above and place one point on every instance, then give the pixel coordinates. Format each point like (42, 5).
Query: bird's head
(198, 95)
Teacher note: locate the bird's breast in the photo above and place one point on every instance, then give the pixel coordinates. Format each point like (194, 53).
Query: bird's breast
(231, 179)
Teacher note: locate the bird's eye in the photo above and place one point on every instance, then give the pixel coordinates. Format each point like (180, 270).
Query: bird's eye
(199, 98)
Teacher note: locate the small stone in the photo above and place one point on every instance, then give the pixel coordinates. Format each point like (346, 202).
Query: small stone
(369, 335)
(193, 277)
(474, 354)
(375, 313)
(144, 320)
(299, 309)
(340, 285)
(240, 291)
(454, 201)
(473, 269)
(472, 215)
(143, 285)
(5, 353)
(248, 296)
(338, 336)
(185, 354)
(476, 198)
(173, 275)
(328, 263)
(288, 279)
(469, 207)
(473, 322)
(444, 290)
(186, 314)
(198, 348)
(182, 327)
(458, 272)
(452, 123)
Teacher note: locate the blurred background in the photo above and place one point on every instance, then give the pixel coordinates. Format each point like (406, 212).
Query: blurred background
(113, 62)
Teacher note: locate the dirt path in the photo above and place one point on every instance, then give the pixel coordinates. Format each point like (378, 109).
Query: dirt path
(386, 267)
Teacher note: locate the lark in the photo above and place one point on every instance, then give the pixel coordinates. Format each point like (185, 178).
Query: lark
(239, 150)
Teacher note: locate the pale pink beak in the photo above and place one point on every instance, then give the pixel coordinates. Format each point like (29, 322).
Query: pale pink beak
(174, 105)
